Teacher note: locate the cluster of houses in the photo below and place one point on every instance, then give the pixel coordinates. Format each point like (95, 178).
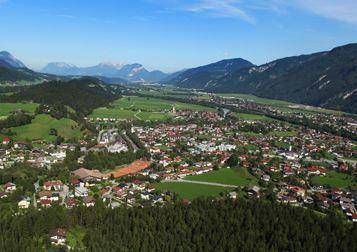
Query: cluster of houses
(333, 120)
(44, 156)
(190, 149)
(287, 157)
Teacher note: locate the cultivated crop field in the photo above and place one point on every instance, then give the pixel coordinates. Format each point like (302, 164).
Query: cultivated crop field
(143, 108)
(7, 108)
(39, 129)
(234, 176)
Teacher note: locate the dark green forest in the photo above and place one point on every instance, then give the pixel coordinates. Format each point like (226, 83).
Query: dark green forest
(203, 225)
(82, 95)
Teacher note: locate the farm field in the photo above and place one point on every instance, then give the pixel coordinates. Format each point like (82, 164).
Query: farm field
(191, 191)
(7, 108)
(335, 179)
(39, 129)
(284, 105)
(142, 108)
(251, 117)
(238, 177)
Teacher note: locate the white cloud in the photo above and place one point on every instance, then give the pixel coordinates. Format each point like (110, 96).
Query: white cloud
(220, 8)
(342, 10)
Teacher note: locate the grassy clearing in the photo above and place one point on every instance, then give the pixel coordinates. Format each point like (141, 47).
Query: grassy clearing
(238, 177)
(283, 133)
(7, 108)
(251, 117)
(39, 129)
(191, 191)
(335, 179)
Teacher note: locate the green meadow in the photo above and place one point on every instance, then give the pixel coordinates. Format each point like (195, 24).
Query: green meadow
(39, 129)
(335, 179)
(7, 108)
(233, 176)
(251, 117)
(143, 108)
(191, 191)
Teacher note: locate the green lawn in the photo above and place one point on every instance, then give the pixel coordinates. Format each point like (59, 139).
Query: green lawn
(283, 133)
(234, 176)
(191, 191)
(7, 108)
(251, 117)
(335, 179)
(39, 129)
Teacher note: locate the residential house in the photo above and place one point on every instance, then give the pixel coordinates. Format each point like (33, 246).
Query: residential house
(58, 236)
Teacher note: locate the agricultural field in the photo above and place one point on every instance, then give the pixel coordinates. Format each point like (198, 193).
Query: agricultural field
(142, 108)
(251, 117)
(7, 108)
(284, 105)
(335, 179)
(190, 190)
(39, 129)
(237, 177)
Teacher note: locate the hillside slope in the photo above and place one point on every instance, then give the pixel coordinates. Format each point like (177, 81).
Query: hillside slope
(325, 79)
(83, 95)
(203, 76)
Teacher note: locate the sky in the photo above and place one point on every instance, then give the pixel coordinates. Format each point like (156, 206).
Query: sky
(172, 34)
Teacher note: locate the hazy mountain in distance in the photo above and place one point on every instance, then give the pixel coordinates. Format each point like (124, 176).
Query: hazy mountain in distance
(131, 72)
(11, 60)
(13, 70)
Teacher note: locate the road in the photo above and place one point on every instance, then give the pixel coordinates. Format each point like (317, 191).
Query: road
(136, 115)
(199, 182)
(128, 140)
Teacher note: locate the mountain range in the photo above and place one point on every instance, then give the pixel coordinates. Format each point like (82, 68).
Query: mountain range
(130, 72)
(325, 79)
(203, 76)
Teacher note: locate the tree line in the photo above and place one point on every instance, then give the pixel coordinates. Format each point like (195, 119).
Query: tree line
(203, 225)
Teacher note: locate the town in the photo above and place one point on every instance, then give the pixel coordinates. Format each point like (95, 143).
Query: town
(198, 153)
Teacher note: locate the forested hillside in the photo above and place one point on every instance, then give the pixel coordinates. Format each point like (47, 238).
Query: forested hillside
(204, 225)
(203, 76)
(82, 95)
(325, 79)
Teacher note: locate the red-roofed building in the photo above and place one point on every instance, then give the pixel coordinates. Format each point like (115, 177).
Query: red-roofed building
(316, 170)
(6, 141)
(58, 236)
(55, 185)
(9, 187)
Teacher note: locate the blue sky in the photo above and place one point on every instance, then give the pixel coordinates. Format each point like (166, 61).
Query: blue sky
(172, 34)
